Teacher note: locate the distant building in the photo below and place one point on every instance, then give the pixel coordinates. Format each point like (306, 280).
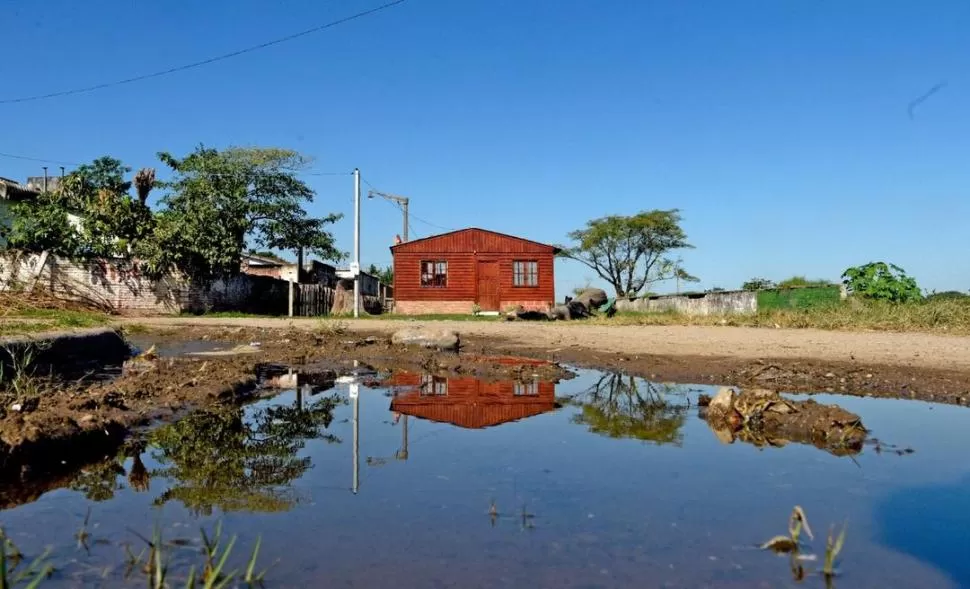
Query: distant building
(11, 192)
(453, 272)
(314, 272)
(43, 184)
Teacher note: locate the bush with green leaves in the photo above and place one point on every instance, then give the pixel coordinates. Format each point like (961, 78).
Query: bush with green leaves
(882, 282)
(218, 204)
(758, 284)
(802, 282)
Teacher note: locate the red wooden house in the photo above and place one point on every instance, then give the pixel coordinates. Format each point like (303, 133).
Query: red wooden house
(453, 272)
(469, 402)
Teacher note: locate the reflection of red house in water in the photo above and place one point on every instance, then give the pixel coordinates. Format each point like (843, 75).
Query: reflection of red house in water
(470, 402)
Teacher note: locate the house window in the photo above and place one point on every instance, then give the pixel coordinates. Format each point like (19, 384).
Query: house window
(433, 385)
(520, 389)
(525, 273)
(434, 274)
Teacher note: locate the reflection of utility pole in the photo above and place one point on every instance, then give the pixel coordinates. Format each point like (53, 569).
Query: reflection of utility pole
(402, 454)
(355, 265)
(354, 396)
(353, 386)
(402, 201)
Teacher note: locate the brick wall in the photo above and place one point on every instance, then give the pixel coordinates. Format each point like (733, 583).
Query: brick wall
(119, 287)
(458, 307)
(432, 307)
(528, 305)
(715, 303)
(270, 271)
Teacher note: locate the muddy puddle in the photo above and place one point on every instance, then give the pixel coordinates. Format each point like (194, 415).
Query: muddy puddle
(353, 477)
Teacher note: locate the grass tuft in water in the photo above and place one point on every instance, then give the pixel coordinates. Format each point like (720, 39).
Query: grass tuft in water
(33, 574)
(790, 544)
(833, 546)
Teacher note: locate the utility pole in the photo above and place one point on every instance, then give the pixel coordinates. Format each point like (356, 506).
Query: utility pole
(355, 267)
(403, 201)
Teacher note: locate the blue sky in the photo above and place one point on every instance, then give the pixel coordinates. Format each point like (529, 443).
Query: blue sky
(779, 128)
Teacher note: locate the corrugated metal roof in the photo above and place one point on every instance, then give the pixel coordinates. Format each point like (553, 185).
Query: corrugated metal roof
(450, 236)
(13, 190)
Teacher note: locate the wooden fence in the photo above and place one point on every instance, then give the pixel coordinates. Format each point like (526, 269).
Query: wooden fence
(312, 300)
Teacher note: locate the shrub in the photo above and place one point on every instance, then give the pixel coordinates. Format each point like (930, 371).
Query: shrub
(801, 282)
(882, 282)
(948, 295)
(758, 284)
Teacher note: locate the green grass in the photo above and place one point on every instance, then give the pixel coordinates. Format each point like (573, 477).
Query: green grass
(24, 321)
(939, 315)
(431, 317)
(234, 315)
(349, 316)
(799, 298)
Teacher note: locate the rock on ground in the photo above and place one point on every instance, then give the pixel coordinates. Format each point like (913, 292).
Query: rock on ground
(592, 298)
(427, 337)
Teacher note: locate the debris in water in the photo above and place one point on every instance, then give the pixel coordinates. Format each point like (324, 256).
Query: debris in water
(765, 418)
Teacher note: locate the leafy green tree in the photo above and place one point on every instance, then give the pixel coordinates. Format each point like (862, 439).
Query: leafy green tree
(220, 459)
(630, 252)
(221, 200)
(881, 281)
(801, 282)
(758, 284)
(385, 274)
(89, 215)
(621, 406)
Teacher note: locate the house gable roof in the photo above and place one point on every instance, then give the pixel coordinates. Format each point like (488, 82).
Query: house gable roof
(474, 239)
(11, 190)
(265, 260)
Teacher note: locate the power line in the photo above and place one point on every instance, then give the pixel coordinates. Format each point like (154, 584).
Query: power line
(429, 223)
(37, 159)
(188, 66)
(65, 163)
(410, 214)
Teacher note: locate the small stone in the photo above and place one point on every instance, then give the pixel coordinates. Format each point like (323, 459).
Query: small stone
(868, 376)
(441, 339)
(722, 402)
(16, 407)
(829, 375)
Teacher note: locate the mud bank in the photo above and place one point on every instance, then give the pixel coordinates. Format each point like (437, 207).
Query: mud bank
(70, 425)
(765, 418)
(64, 353)
(922, 366)
(793, 375)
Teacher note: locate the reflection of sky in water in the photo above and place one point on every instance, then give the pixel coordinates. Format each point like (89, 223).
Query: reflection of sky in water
(608, 511)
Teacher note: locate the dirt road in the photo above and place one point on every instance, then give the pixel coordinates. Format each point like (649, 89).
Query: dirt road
(908, 365)
(914, 350)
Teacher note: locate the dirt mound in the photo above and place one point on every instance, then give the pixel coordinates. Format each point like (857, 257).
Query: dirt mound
(766, 418)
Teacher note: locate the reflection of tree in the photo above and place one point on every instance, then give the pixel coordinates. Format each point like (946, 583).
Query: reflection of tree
(219, 459)
(621, 406)
(99, 481)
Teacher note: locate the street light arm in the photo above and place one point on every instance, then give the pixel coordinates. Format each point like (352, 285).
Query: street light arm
(392, 197)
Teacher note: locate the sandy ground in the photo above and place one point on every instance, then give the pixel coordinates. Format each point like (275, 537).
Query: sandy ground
(900, 365)
(917, 350)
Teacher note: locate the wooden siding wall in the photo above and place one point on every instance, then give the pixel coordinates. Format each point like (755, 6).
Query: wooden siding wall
(462, 250)
(463, 277)
(471, 403)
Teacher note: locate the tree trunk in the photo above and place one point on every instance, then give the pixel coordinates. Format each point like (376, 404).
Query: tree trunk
(299, 265)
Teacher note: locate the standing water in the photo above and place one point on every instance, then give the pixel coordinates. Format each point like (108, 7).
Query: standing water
(598, 481)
